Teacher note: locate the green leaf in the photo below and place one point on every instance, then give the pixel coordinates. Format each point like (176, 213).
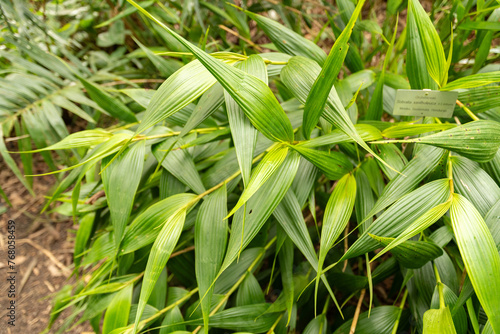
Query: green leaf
(209, 102)
(82, 237)
(376, 106)
(248, 222)
(479, 25)
(404, 129)
(425, 160)
(253, 96)
(411, 254)
(401, 215)
(85, 138)
(365, 199)
(479, 99)
(264, 170)
(394, 157)
(299, 75)
(439, 322)
(115, 35)
(432, 46)
(121, 181)
(236, 270)
(175, 93)
(337, 214)
(249, 292)
(173, 316)
(159, 294)
(289, 215)
(333, 164)
(162, 248)
(491, 219)
(126, 12)
(421, 223)
(288, 41)
(145, 228)
(488, 329)
(243, 132)
(475, 80)
(336, 136)
(470, 181)
(416, 66)
(12, 164)
(450, 300)
(179, 163)
(480, 256)
(210, 238)
(381, 320)
(111, 104)
(323, 84)
(477, 140)
(285, 256)
(167, 67)
(251, 318)
(318, 325)
(118, 310)
(61, 299)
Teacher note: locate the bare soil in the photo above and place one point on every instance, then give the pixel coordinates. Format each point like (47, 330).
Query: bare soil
(44, 246)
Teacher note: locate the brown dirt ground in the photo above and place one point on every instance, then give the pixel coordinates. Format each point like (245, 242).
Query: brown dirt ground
(44, 246)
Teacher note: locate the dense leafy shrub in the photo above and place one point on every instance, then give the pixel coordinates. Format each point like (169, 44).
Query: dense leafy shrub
(218, 203)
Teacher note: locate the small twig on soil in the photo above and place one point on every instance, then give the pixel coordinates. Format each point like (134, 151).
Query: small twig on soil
(49, 286)
(29, 270)
(51, 256)
(25, 207)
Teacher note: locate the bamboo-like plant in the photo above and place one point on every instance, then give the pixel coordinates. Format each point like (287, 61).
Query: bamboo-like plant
(258, 192)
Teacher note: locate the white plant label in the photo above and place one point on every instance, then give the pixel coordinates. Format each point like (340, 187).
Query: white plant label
(432, 103)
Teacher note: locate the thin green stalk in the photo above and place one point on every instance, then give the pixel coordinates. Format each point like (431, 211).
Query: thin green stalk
(401, 307)
(472, 315)
(467, 110)
(168, 308)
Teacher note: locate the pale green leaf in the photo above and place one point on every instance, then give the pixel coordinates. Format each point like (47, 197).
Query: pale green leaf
(162, 248)
(477, 140)
(411, 254)
(438, 322)
(118, 311)
(253, 96)
(243, 132)
(480, 256)
(323, 84)
(121, 181)
(264, 170)
(210, 244)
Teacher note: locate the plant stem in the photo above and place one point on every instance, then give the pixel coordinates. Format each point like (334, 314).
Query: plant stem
(401, 307)
(467, 110)
(358, 311)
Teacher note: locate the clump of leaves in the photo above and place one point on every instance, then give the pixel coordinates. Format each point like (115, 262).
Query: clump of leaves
(233, 206)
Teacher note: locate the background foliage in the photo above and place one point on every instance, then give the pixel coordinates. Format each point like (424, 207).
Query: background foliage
(239, 168)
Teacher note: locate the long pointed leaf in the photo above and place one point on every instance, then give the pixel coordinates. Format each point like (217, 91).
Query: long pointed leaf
(480, 256)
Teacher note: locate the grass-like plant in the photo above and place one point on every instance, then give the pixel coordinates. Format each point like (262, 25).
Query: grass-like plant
(258, 192)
